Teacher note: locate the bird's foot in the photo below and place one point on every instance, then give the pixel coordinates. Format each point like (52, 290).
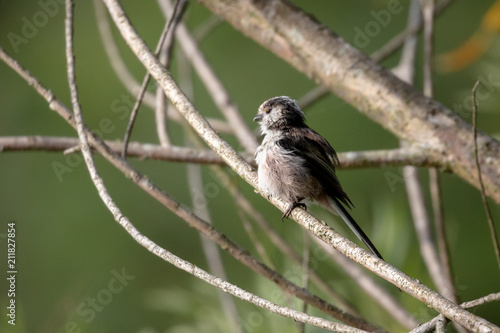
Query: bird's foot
(290, 208)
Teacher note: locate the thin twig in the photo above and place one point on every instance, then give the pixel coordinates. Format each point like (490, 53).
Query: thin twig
(441, 325)
(136, 149)
(259, 247)
(406, 71)
(306, 253)
(489, 216)
(124, 75)
(213, 84)
(133, 114)
(397, 41)
(447, 289)
(430, 325)
(312, 96)
(113, 53)
(205, 28)
(423, 229)
(165, 57)
(72, 150)
(178, 7)
(211, 251)
(428, 16)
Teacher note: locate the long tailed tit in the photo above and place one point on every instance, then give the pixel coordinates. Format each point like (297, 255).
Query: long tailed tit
(295, 163)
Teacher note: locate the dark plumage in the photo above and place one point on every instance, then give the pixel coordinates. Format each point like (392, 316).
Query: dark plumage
(297, 164)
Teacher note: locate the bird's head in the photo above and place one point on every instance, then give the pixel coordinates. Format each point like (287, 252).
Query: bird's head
(279, 113)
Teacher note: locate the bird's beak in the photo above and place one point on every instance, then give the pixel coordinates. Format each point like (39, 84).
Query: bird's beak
(258, 118)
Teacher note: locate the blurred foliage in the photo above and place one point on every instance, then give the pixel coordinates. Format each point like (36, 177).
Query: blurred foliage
(69, 248)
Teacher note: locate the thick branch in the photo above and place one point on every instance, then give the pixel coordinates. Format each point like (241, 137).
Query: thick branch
(313, 49)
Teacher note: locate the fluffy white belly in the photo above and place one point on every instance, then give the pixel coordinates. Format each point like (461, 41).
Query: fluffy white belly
(284, 175)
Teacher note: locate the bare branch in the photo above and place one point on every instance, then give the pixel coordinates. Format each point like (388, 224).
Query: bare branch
(306, 256)
(136, 149)
(124, 75)
(348, 160)
(423, 230)
(171, 22)
(445, 285)
(491, 224)
(371, 288)
(213, 85)
(406, 71)
(210, 250)
(207, 27)
(395, 43)
(430, 325)
(165, 57)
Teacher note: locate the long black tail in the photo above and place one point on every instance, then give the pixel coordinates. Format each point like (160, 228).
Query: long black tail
(339, 209)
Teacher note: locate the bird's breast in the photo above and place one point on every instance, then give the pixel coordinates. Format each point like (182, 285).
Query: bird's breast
(282, 173)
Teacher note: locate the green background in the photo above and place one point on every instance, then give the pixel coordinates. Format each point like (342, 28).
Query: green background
(68, 245)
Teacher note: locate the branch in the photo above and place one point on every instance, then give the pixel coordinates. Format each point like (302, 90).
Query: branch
(489, 217)
(124, 75)
(213, 84)
(348, 160)
(210, 249)
(169, 26)
(316, 51)
(406, 72)
(445, 283)
(136, 149)
(430, 325)
(395, 43)
(371, 288)
(237, 163)
(165, 57)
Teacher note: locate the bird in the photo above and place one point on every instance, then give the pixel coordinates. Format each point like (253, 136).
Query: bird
(297, 164)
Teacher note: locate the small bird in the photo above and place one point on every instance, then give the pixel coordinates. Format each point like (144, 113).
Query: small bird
(295, 163)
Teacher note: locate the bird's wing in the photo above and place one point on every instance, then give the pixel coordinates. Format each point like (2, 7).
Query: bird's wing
(319, 157)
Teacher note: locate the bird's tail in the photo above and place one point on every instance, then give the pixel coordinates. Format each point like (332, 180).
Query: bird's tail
(340, 210)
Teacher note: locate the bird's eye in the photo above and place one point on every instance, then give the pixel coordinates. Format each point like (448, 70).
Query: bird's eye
(268, 110)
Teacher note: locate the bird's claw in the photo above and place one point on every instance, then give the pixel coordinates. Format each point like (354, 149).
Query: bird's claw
(290, 208)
